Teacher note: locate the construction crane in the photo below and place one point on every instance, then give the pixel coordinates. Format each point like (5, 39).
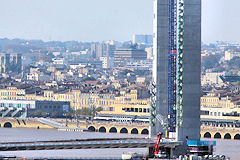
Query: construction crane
(156, 146)
(160, 153)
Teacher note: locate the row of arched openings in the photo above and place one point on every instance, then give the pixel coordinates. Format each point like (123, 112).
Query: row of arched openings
(114, 130)
(219, 136)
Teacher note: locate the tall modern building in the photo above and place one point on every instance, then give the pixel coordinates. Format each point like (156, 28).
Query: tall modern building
(10, 63)
(143, 39)
(102, 50)
(177, 68)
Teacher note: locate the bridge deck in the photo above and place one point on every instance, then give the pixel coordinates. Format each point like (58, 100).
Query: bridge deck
(84, 144)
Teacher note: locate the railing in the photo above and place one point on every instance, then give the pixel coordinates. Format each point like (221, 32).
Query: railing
(50, 123)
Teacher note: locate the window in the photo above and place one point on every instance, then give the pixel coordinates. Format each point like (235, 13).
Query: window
(132, 109)
(140, 109)
(136, 109)
(144, 110)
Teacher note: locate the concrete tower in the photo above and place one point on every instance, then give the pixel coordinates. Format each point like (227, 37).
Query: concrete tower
(4, 62)
(188, 67)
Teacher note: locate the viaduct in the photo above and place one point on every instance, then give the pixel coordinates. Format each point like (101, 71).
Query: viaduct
(207, 131)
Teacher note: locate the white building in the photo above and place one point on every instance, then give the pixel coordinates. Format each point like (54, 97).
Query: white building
(107, 62)
(58, 61)
(149, 52)
(230, 55)
(212, 78)
(141, 64)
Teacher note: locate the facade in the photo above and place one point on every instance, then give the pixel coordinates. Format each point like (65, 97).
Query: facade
(27, 108)
(220, 109)
(149, 52)
(177, 50)
(210, 78)
(122, 56)
(79, 100)
(10, 63)
(107, 62)
(140, 64)
(127, 110)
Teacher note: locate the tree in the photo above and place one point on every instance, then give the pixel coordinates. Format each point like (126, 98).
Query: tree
(39, 113)
(55, 114)
(69, 115)
(211, 61)
(234, 63)
(88, 79)
(85, 112)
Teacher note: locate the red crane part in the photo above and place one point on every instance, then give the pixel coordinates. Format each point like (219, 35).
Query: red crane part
(156, 146)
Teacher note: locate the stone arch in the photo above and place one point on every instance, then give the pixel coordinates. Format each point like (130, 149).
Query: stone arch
(91, 129)
(207, 135)
(237, 136)
(124, 130)
(102, 129)
(113, 130)
(217, 135)
(7, 125)
(144, 131)
(227, 136)
(134, 131)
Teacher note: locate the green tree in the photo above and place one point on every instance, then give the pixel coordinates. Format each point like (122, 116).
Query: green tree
(55, 114)
(37, 113)
(234, 63)
(211, 61)
(88, 79)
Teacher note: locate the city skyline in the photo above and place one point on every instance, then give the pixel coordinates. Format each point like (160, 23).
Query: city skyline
(105, 20)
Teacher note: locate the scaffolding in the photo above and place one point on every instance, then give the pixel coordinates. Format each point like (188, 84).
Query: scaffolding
(172, 64)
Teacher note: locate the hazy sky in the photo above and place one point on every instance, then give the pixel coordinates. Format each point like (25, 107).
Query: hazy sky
(97, 20)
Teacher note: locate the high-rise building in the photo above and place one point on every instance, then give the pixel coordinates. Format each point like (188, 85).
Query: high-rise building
(16, 63)
(143, 39)
(10, 63)
(4, 63)
(102, 50)
(122, 56)
(177, 68)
